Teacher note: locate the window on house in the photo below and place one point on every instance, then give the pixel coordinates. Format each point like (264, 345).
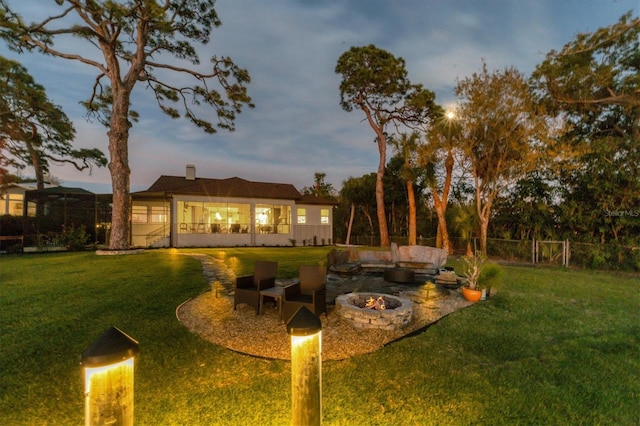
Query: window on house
(238, 218)
(324, 216)
(302, 215)
(11, 204)
(159, 214)
(273, 219)
(15, 208)
(31, 209)
(215, 218)
(139, 214)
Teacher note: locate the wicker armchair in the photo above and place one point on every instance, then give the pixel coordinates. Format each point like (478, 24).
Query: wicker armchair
(310, 292)
(248, 287)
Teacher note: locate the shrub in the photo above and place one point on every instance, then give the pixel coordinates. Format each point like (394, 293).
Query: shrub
(73, 238)
(11, 225)
(490, 276)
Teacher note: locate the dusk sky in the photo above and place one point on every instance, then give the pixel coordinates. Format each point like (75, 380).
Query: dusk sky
(290, 48)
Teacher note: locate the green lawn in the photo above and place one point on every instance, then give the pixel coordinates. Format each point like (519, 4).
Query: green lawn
(552, 347)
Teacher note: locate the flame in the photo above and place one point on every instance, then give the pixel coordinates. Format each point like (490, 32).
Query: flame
(377, 304)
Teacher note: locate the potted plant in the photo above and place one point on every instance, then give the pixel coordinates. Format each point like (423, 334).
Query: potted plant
(472, 269)
(481, 276)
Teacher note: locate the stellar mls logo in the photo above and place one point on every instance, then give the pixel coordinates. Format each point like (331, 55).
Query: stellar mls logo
(622, 213)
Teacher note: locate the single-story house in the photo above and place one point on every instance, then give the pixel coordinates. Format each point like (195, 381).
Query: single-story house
(189, 211)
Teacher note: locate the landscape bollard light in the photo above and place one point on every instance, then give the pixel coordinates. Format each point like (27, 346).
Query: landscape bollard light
(305, 329)
(108, 366)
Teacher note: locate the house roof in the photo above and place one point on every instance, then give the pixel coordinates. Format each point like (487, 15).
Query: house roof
(230, 187)
(26, 186)
(60, 193)
(62, 190)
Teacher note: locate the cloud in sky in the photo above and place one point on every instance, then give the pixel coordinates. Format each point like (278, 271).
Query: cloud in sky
(290, 48)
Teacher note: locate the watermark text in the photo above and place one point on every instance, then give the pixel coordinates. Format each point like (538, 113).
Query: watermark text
(622, 213)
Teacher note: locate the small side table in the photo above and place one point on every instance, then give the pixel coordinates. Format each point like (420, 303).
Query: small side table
(276, 293)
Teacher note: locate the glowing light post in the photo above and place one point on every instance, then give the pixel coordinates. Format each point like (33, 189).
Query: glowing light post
(305, 329)
(108, 366)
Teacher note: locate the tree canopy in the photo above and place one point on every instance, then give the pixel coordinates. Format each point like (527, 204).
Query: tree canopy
(320, 187)
(504, 135)
(376, 82)
(33, 130)
(140, 42)
(594, 82)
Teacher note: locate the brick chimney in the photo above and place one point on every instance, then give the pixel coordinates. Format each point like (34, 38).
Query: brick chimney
(191, 172)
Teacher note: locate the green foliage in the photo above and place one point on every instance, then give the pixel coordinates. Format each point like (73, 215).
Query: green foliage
(605, 256)
(359, 193)
(169, 29)
(148, 40)
(528, 210)
(375, 81)
(34, 131)
(595, 70)
(73, 237)
(503, 135)
(593, 82)
(10, 225)
(490, 276)
(320, 187)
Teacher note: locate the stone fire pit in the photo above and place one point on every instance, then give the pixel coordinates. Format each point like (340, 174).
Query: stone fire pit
(398, 312)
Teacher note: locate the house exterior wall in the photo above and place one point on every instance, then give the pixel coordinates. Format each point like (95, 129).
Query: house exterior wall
(193, 221)
(156, 226)
(313, 231)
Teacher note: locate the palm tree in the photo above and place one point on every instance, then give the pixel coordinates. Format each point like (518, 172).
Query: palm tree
(438, 156)
(407, 147)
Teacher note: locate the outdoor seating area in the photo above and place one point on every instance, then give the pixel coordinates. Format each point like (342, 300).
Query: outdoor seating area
(399, 265)
(421, 260)
(227, 316)
(263, 304)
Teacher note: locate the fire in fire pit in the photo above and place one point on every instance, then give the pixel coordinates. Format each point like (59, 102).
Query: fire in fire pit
(375, 303)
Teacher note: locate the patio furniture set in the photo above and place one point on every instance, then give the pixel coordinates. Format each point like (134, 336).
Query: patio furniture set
(308, 291)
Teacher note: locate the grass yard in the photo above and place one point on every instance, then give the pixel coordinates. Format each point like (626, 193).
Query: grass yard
(553, 346)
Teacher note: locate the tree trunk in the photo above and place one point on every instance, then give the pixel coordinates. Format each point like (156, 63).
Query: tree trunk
(120, 172)
(353, 211)
(442, 226)
(440, 204)
(484, 226)
(484, 212)
(36, 164)
(37, 168)
(382, 217)
(368, 216)
(412, 213)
